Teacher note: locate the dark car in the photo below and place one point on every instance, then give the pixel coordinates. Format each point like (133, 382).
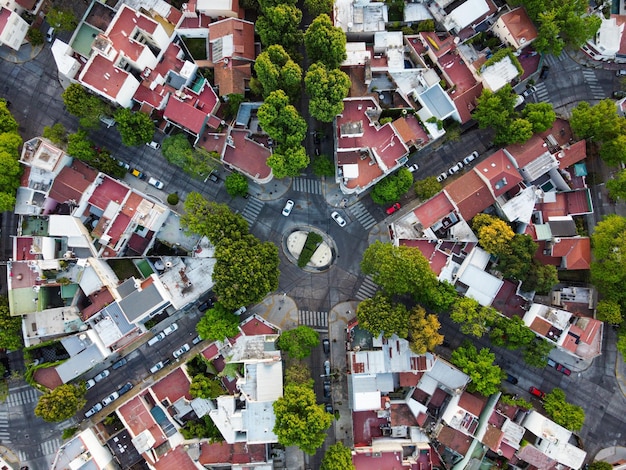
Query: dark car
(326, 388)
(329, 408)
(126, 388)
(213, 177)
(562, 369)
(511, 379)
(326, 345)
(619, 94)
(536, 392)
(393, 208)
(545, 70)
(120, 363)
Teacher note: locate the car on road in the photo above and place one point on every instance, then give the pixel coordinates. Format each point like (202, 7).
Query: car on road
(168, 330)
(213, 177)
(156, 183)
(90, 383)
(196, 340)
(442, 177)
(102, 375)
(545, 71)
(471, 157)
(337, 218)
(288, 207)
(563, 370)
(159, 365)
(93, 410)
(50, 34)
(154, 145)
(156, 338)
(529, 91)
(536, 392)
(393, 208)
(125, 388)
(124, 165)
(136, 173)
(329, 408)
(455, 168)
(412, 168)
(326, 345)
(327, 389)
(119, 363)
(327, 367)
(110, 399)
(620, 73)
(511, 379)
(204, 306)
(619, 94)
(182, 350)
(240, 310)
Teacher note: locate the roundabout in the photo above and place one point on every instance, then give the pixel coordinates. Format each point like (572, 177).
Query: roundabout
(323, 256)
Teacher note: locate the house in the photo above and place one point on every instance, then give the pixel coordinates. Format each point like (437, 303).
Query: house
(455, 17)
(214, 8)
(13, 29)
(83, 449)
(360, 18)
(515, 28)
(191, 110)
(609, 43)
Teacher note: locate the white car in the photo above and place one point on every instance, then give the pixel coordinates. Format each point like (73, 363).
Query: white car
(154, 145)
(413, 168)
(471, 157)
(337, 218)
(529, 91)
(90, 383)
(442, 177)
(170, 329)
(455, 168)
(110, 399)
(288, 207)
(93, 410)
(157, 367)
(102, 375)
(156, 183)
(181, 351)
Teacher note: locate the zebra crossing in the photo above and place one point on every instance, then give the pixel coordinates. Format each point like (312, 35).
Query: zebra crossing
(553, 60)
(252, 210)
(28, 395)
(307, 185)
(316, 320)
(367, 289)
(542, 92)
(591, 80)
(361, 214)
(5, 435)
(49, 447)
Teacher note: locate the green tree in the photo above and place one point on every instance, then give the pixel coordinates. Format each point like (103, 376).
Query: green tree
(517, 132)
(56, 134)
(326, 89)
(279, 25)
(299, 373)
(613, 151)
(288, 161)
(511, 333)
(609, 311)
(83, 105)
(536, 353)
(541, 278)
(177, 150)
(203, 428)
(423, 331)
(236, 185)
(599, 465)
(400, 270)
(79, 146)
(486, 376)
(218, 323)
(495, 109)
(323, 166)
(339, 457)
(61, 403)
(495, 235)
(516, 261)
(548, 39)
(10, 327)
(300, 421)
(379, 315)
(275, 70)
(319, 7)
(617, 186)
(427, 188)
(232, 103)
(10, 172)
(599, 123)
(565, 414)
(62, 19)
(34, 36)
(608, 268)
(473, 317)
(205, 387)
(392, 187)
(8, 124)
(213, 220)
(136, 128)
(281, 120)
(325, 43)
(245, 272)
(298, 342)
(540, 115)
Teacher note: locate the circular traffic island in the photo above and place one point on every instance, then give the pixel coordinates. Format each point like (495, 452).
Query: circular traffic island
(309, 248)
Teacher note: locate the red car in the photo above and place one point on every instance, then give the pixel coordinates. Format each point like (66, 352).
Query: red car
(393, 208)
(536, 392)
(564, 370)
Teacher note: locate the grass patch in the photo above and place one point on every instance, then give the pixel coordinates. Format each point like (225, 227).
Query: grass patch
(123, 268)
(4, 390)
(197, 47)
(313, 240)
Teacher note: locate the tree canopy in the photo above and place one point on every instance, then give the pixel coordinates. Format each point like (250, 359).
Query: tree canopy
(298, 342)
(61, 403)
(279, 25)
(339, 457)
(427, 188)
(136, 128)
(609, 311)
(57, 134)
(203, 386)
(236, 184)
(608, 268)
(486, 376)
(300, 421)
(392, 187)
(218, 323)
(511, 333)
(275, 70)
(288, 161)
(599, 123)
(423, 331)
(62, 19)
(326, 89)
(540, 115)
(10, 327)
(617, 186)
(83, 105)
(536, 353)
(216, 221)
(281, 120)
(10, 168)
(494, 234)
(380, 315)
(473, 317)
(569, 416)
(318, 7)
(325, 43)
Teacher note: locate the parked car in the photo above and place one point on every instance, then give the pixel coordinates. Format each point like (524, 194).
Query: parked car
(125, 388)
(110, 399)
(326, 345)
(545, 71)
(50, 34)
(213, 177)
(102, 375)
(511, 379)
(124, 165)
(413, 168)
(327, 367)
(329, 408)
(620, 73)
(536, 392)
(93, 410)
(204, 306)
(168, 330)
(159, 365)
(156, 183)
(471, 157)
(442, 177)
(327, 389)
(156, 338)
(136, 173)
(337, 218)
(455, 168)
(529, 91)
(240, 310)
(119, 363)
(288, 207)
(182, 350)
(90, 383)
(393, 208)
(619, 94)
(154, 145)
(196, 340)
(563, 370)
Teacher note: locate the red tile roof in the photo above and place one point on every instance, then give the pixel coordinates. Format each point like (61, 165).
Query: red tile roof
(470, 194)
(520, 26)
(117, 228)
(238, 454)
(572, 154)
(177, 459)
(108, 191)
(138, 419)
(122, 28)
(433, 210)
(102, 75)
(527, 152)
(410, 130)
(69, 185)
(576, 252)
(247, 155)
(232, 77)
(498, 170)
(4, 17)
(472, 403)
(173, 386)
(185, 115)
(243, 36)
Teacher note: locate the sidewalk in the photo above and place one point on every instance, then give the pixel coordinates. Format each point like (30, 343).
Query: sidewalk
(27, 52)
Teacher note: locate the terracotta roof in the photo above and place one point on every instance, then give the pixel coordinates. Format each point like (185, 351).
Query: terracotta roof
(247, 155)
(572, 154)
(185, 114)
(242, 37)
(238, 453)
(102, 75)
(493, 438)
(27, 4)
(472, 403)
(529, 151)
(69, 185)
(455, 440)
(4, 17)
(176, 458)
(433, 210)
(500, 172)
(519, 25)
(470, 194)
(123, 26)
(232, 77)
(576, 252)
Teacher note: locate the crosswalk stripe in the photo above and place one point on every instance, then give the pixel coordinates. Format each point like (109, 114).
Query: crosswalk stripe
(359, 211)
(252, 210)
(315, 320)
(367, 289)
(307, 185)
(50, 447)
(22, 456)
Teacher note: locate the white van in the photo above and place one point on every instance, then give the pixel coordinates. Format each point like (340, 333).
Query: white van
(50, 34)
